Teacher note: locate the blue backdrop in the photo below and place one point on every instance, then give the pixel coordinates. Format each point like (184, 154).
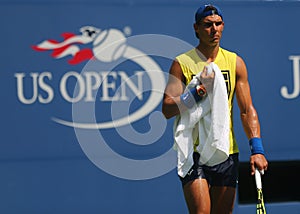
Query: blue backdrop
(51, 165)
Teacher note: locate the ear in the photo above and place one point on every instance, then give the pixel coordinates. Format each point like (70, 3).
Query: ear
(195, 27)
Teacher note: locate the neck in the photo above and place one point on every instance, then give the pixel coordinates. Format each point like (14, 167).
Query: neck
(210, 52)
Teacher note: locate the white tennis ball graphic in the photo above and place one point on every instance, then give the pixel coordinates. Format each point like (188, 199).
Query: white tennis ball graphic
(109, 45)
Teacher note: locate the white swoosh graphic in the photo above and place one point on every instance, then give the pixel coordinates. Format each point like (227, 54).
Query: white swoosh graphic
(158, 84)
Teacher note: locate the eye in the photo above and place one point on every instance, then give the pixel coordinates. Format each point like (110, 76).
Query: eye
(219, 23)
(207, 24)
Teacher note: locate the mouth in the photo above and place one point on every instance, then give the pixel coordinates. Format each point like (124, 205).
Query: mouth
(215, 37)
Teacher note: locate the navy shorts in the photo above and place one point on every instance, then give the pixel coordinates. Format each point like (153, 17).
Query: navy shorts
(223, 174)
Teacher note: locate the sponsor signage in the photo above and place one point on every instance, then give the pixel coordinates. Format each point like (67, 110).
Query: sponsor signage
(81, 90)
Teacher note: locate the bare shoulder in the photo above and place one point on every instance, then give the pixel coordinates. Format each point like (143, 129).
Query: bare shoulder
(241, 69)
(176, 71)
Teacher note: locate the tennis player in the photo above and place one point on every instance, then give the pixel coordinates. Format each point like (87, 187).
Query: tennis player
(212, 189)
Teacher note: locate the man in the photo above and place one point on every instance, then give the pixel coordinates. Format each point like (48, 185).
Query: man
(212, 189)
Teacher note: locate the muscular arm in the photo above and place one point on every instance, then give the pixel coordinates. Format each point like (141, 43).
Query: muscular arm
(248, 113)
(175, 87)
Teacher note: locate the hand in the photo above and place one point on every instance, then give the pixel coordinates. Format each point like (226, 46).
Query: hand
(193, 95)
(258, 161)
(207, 79)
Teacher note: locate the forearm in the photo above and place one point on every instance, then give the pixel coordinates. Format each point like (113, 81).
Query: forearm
(172, 106)
(175, 105)
(252, 130)
(177, 98)
(250, 123)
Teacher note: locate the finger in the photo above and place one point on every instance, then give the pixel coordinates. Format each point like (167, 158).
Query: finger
(204, 72)
(252, 169)
(209, 70)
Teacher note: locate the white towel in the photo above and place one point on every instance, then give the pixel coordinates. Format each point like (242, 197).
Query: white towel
(210, 118)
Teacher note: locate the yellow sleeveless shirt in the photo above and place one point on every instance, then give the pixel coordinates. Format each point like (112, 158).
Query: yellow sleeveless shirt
(192, 63)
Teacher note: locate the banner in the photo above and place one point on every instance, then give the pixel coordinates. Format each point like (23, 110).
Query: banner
(82, 84)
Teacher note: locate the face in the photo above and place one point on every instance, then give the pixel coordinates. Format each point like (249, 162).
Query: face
(210, 29)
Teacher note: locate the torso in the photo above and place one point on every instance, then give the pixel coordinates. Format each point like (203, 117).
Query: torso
(193, 61)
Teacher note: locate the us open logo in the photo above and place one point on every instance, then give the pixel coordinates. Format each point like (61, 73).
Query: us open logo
(118, 91)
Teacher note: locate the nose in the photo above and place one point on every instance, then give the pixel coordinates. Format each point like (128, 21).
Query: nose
(214, 27)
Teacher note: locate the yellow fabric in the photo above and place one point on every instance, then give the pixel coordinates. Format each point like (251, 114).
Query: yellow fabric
(192, 62)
